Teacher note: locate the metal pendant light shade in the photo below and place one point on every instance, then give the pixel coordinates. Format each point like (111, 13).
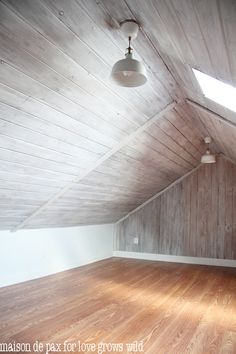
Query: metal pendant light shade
(129, 72)
(208, 157)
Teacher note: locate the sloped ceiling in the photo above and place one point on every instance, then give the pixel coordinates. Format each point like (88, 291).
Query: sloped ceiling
(74, 148)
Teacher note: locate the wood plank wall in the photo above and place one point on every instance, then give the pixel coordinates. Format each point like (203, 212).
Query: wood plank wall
(196, 217)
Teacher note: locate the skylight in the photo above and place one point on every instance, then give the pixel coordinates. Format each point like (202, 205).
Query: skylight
(216, 90)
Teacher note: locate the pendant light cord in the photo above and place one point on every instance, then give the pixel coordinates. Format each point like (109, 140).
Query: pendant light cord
(129, 47)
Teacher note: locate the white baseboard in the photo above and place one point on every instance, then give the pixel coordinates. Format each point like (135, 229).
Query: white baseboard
(176, 259)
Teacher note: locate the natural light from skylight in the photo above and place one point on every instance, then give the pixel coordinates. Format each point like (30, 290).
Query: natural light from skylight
(216, 90)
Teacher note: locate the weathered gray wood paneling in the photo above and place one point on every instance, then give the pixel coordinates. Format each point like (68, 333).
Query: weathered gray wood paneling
(148, 163)
(60, 115)
(196, 217)
(183, 32)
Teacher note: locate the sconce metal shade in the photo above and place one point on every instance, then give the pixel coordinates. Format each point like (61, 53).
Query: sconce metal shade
(208, 157)
(129, 72)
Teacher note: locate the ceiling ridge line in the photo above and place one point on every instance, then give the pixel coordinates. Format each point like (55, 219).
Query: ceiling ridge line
(226, 157)
(160, 192)
(212, 113)
(106, 156)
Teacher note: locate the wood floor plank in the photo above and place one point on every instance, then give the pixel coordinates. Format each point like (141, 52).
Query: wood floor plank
(167, 307)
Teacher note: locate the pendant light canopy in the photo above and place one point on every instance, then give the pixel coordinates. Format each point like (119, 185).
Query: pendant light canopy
(208, 157)
(129, 72)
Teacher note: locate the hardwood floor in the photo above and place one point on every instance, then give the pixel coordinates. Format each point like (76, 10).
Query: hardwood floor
(167, 308)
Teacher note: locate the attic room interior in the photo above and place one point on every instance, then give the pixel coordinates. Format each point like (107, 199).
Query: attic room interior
(118, 176)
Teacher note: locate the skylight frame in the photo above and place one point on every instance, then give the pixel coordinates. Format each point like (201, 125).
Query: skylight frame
(216, 90)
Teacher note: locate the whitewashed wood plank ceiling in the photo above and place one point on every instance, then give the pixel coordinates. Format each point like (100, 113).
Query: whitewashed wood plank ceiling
(74, 148)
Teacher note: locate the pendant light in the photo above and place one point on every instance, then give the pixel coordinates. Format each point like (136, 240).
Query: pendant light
(208, 157)
(129, 72)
